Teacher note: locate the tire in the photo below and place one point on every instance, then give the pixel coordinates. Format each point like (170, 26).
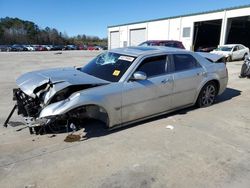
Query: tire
(244, 56)
(229, 59)
(207, 95)
(243, 70)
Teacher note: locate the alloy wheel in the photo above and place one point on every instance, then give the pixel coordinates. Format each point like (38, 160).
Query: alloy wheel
(208, 95)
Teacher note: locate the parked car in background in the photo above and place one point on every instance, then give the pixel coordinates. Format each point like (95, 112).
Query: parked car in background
(35, 46)
(18, 47)
(30, 47)
(42, 48)
(71, 47)
(232, 51)
(81, 47)
(121, 86)
(98, 48)
(48, 47)
(58, 47)
(245, 69)
(94, 48)
(5, 48)
(104, 47)
(167, 43)
(205, 48)
(91, 48)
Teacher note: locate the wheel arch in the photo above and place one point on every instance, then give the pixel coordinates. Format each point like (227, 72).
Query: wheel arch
(217, 83)
(93, 111)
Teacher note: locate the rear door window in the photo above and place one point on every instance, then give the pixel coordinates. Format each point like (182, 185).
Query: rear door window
(184, 62)
(241, 47)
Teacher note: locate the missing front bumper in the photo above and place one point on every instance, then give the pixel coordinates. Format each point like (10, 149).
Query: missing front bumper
(26, 105)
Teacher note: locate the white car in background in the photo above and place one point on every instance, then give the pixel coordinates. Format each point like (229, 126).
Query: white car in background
(48, 47)
(232, 51)
(29, 47)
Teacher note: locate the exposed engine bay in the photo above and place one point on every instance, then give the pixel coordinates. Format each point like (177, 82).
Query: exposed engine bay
(26, 105)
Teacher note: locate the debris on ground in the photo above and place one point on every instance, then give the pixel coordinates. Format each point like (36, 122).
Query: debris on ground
(31, 186)
(53, 135)
(58, 53)
(171, 127)
(72, 138)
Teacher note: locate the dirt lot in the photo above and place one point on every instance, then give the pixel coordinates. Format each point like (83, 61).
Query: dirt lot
(208, 147)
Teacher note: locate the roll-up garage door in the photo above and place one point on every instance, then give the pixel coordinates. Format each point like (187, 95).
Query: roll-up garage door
(137, 36)
(207, 34)
(238, 31)
(114, 39)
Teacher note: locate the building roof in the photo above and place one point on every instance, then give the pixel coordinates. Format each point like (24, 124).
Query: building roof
(184, 15)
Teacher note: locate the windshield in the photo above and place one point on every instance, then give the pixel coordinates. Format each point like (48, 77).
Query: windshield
(224, 48)
(108, 66)
(149, 44)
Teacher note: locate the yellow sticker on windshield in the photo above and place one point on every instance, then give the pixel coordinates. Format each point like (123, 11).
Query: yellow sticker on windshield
(116, 73)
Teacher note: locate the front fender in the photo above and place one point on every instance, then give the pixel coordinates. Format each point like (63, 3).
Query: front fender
(82, 99)
(74, 101)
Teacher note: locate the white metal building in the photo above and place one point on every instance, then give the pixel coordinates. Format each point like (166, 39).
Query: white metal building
(206, 29)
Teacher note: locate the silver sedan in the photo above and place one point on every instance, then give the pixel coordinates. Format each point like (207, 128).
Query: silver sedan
(121, 86)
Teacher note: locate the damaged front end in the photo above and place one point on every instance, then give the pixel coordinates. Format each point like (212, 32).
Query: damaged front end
(26, 105)
(39, 90)
(29, 108)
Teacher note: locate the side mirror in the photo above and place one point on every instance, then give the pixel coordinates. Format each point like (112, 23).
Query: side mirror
(139, 75)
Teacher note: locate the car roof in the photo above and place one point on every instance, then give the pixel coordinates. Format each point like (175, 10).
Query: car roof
(163, 41)
(145, 50)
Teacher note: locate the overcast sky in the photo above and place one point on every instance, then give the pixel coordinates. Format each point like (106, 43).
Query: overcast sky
(92, 17)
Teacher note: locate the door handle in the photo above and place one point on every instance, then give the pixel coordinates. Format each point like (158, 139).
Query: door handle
(201, 73)
(165, 81)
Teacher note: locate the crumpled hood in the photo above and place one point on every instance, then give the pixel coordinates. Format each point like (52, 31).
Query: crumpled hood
(30, 81)
(224, 53)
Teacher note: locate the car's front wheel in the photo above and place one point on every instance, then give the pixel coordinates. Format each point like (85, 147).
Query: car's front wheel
(207, 95)
(229, 59)
(245, 56)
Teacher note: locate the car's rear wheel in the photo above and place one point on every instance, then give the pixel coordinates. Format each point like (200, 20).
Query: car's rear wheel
(207, 95)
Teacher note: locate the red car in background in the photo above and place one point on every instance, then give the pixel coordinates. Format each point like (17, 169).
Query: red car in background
(94, 48)
(91, 48)
(81, 47)
(41, 48)
(167, 43)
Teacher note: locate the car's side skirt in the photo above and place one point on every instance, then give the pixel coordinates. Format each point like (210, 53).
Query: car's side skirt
(149, 117)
